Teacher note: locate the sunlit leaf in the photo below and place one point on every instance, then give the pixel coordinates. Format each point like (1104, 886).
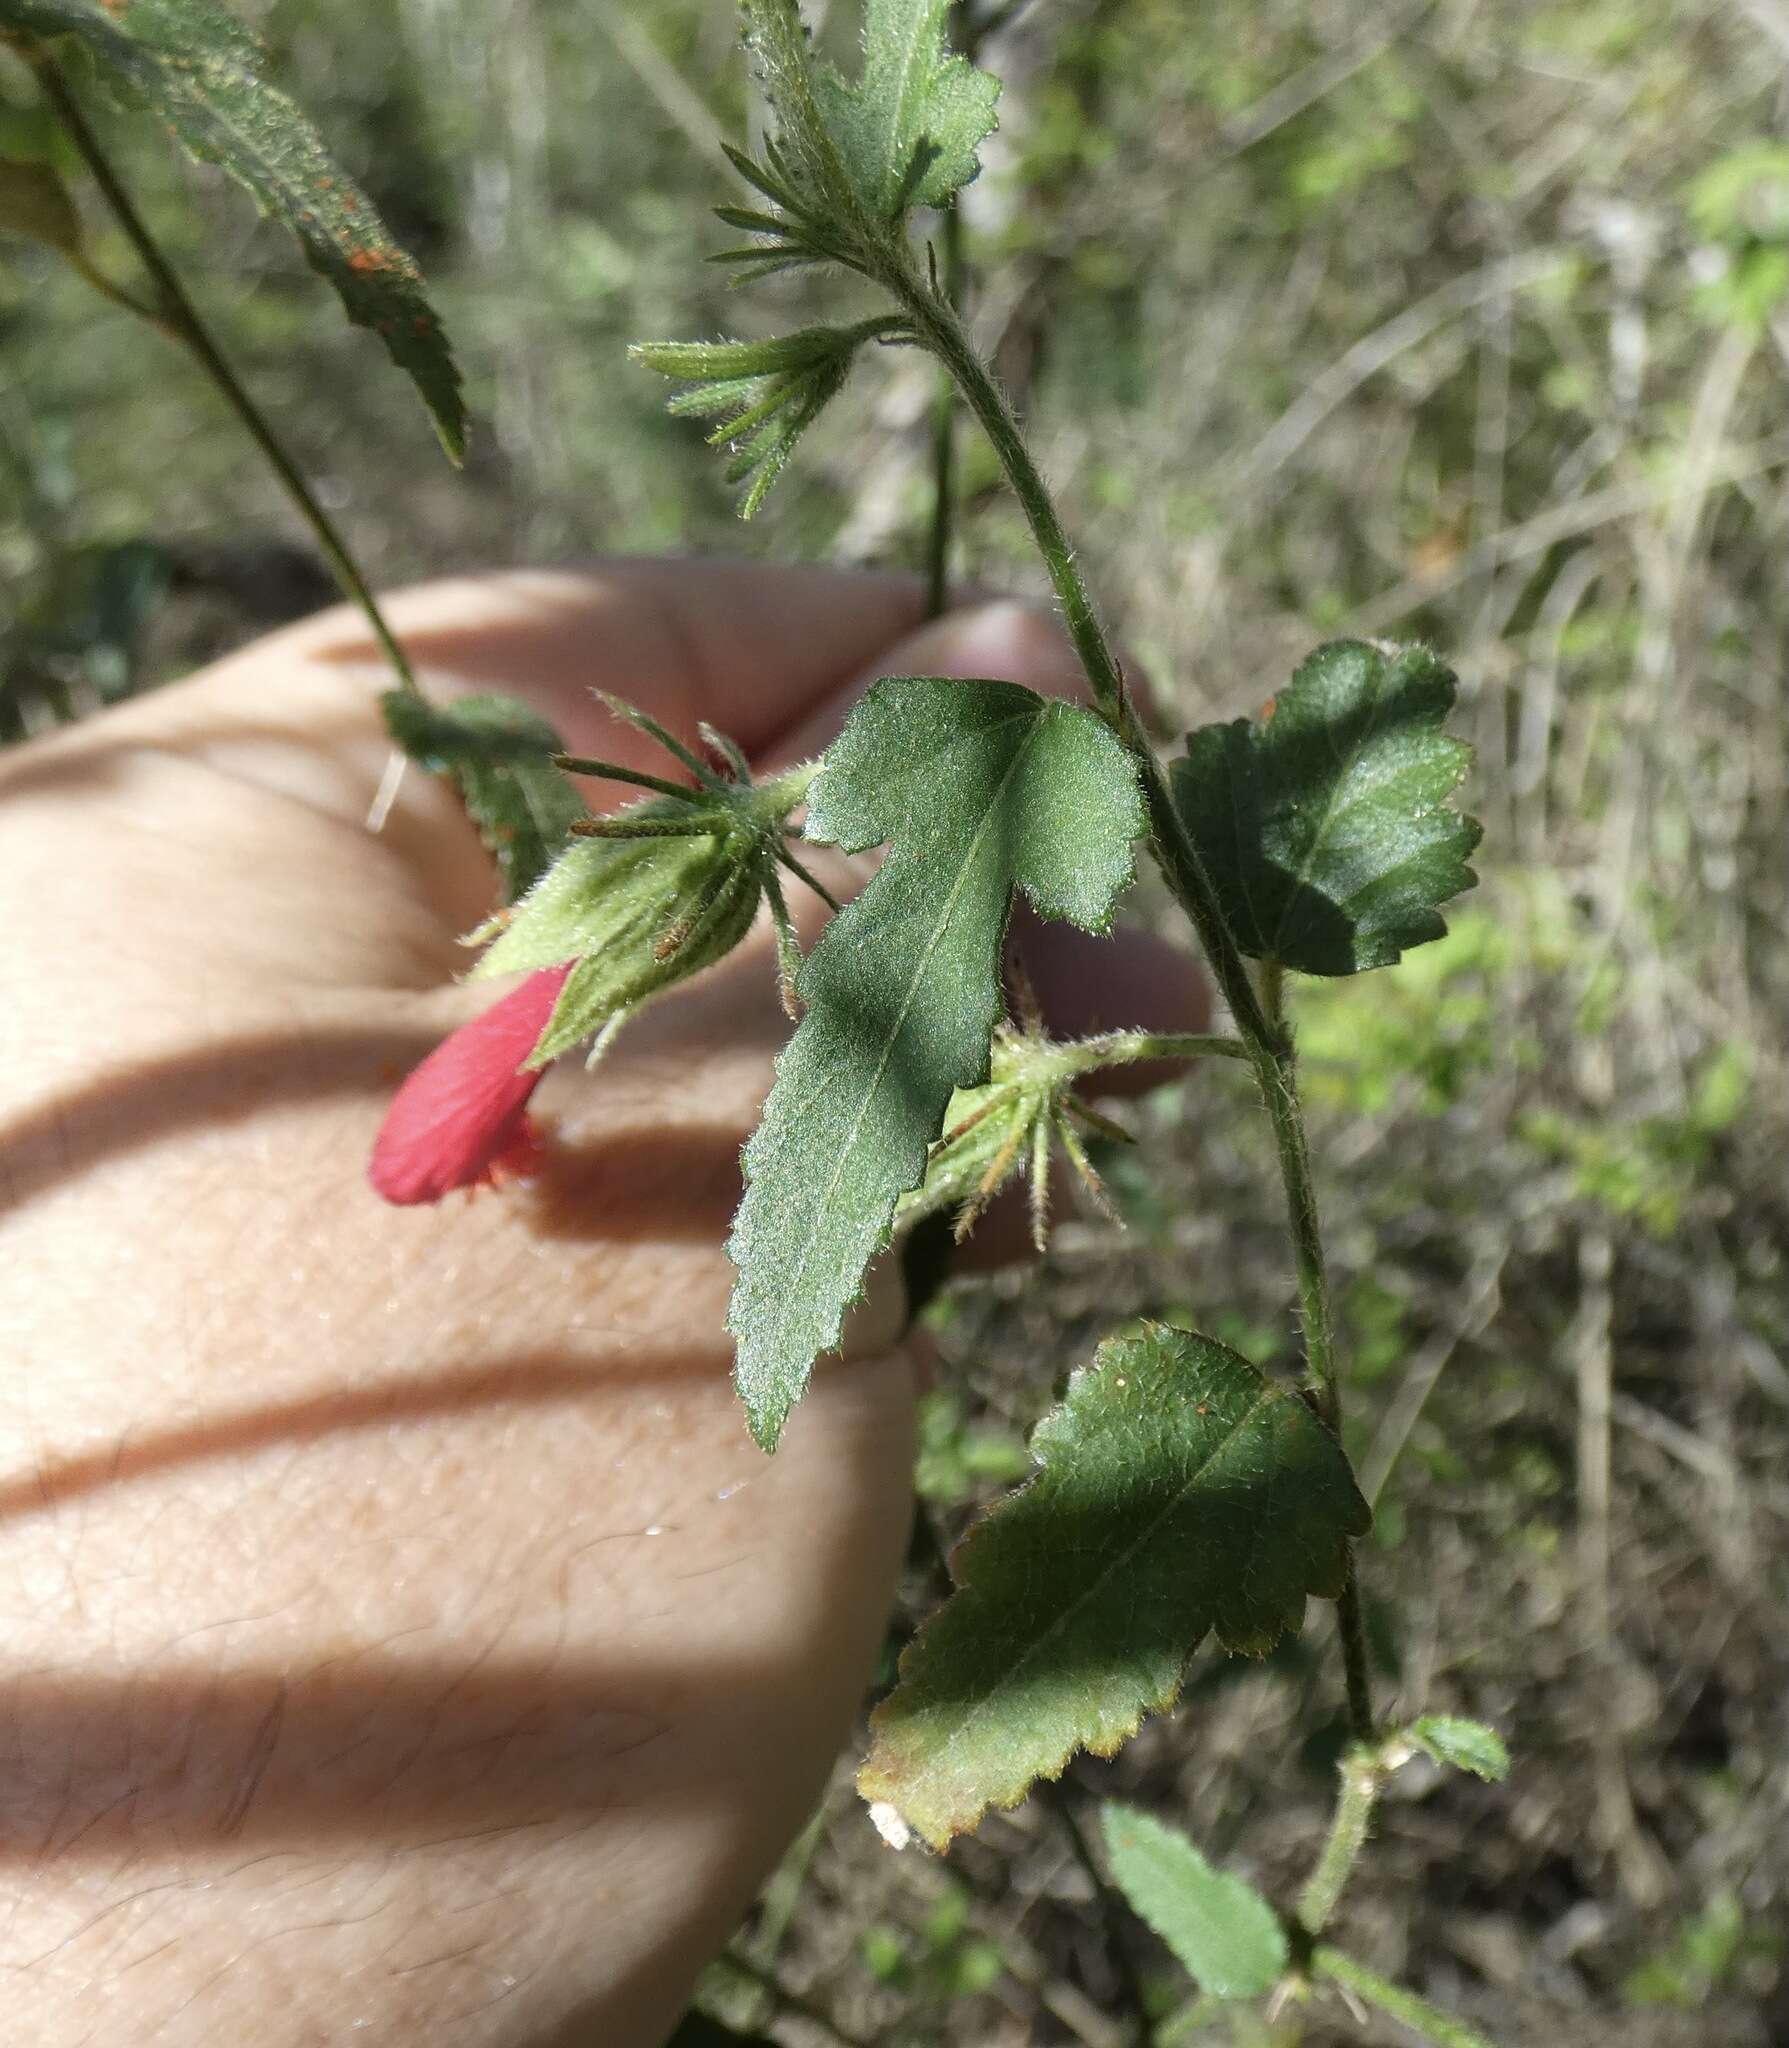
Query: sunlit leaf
(1223, 1933)
(909, 127)
(1179, 1493)
(202, 72)
(1323, 821)
(981, 787)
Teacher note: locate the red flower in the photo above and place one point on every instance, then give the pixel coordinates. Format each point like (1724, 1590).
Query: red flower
(461, 1119)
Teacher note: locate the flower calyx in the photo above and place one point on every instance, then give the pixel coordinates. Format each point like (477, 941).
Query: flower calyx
(1009, 1126)
(648, 896)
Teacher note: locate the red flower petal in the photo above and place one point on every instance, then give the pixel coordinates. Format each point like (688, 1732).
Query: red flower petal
(461, 1119)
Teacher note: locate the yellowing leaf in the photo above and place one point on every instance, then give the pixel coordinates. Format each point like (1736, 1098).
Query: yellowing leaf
(201, 71)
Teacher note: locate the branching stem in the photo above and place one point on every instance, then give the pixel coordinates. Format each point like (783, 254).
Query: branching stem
(177, 317)
(1269, 1046)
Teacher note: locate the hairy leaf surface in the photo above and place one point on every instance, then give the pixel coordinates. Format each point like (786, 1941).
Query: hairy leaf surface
(201, 71)
(982, 787)
(500, 753)
(910, 127)
(1323, 821)
(1223, 1933)
(1467, 1745)
(1179, 1493)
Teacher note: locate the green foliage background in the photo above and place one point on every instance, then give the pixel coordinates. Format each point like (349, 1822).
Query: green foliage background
(1462, 320)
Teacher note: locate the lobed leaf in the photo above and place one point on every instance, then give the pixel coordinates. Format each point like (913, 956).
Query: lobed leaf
(909, 128)
(1467, 1745)
(981, 787)
(1323, 821)
(201, 71)
(1223, 1933)
(1179, 1492)
(500, 753)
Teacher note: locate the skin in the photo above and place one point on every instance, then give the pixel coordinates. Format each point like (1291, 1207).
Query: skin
(403, 1638)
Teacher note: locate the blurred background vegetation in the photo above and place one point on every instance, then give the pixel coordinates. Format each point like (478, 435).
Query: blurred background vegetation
(1466, 319)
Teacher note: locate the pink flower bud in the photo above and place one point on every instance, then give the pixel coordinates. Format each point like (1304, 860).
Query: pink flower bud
(461, 1119)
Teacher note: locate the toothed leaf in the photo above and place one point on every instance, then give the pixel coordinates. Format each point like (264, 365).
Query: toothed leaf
(1179, 1493)
(910, 126)
(981, 787)
(201, 71)
(1223, 1933)
(1324, 821)
(500, 753)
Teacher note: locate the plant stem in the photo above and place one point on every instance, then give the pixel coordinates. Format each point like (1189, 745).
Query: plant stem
(1416, 2013)
(1112, 1913)
(1126, 1048)
(179, 318)
(1263, 1031)
(944, 431)
(1363, 1774)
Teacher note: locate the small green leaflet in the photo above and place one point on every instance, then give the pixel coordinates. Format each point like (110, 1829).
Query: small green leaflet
(982, 787)
(910, 129)
(1179, 1492)
(1223, 1933)
(201, 71)
(1323, 821)
(1467, 1745)
(500, 753)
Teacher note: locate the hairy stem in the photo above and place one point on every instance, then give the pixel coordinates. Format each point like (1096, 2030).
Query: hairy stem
(1263, 1031)
(1127, 1048)
(1363, 1774)
(944, 431)
(1392, 1999)
(178, 318)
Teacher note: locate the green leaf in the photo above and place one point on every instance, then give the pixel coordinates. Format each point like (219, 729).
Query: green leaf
(909, 129)
(1323, 821)
(1223, 1933)
(1179, 1492)
(34, 202)
(805, 168)
(201, 72)
(500, 753)
(1467, 1745)
(981, 787)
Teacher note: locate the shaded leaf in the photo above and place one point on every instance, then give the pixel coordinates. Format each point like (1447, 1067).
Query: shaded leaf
(909, 128)
(1179, 1492)
(201, 71)
(500, 754)
(1223, 1933)
(1467, 1745)
(1323, 821)
(981, 787)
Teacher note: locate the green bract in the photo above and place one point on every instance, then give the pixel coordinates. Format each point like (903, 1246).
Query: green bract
(1323, 821)
(202, 72)
(1179, 1492)
(764, 394)
(981, 787)
(1467, 1745)
(655, 894)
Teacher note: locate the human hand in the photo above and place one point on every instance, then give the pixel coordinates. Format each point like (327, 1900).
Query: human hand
(402, 1633)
